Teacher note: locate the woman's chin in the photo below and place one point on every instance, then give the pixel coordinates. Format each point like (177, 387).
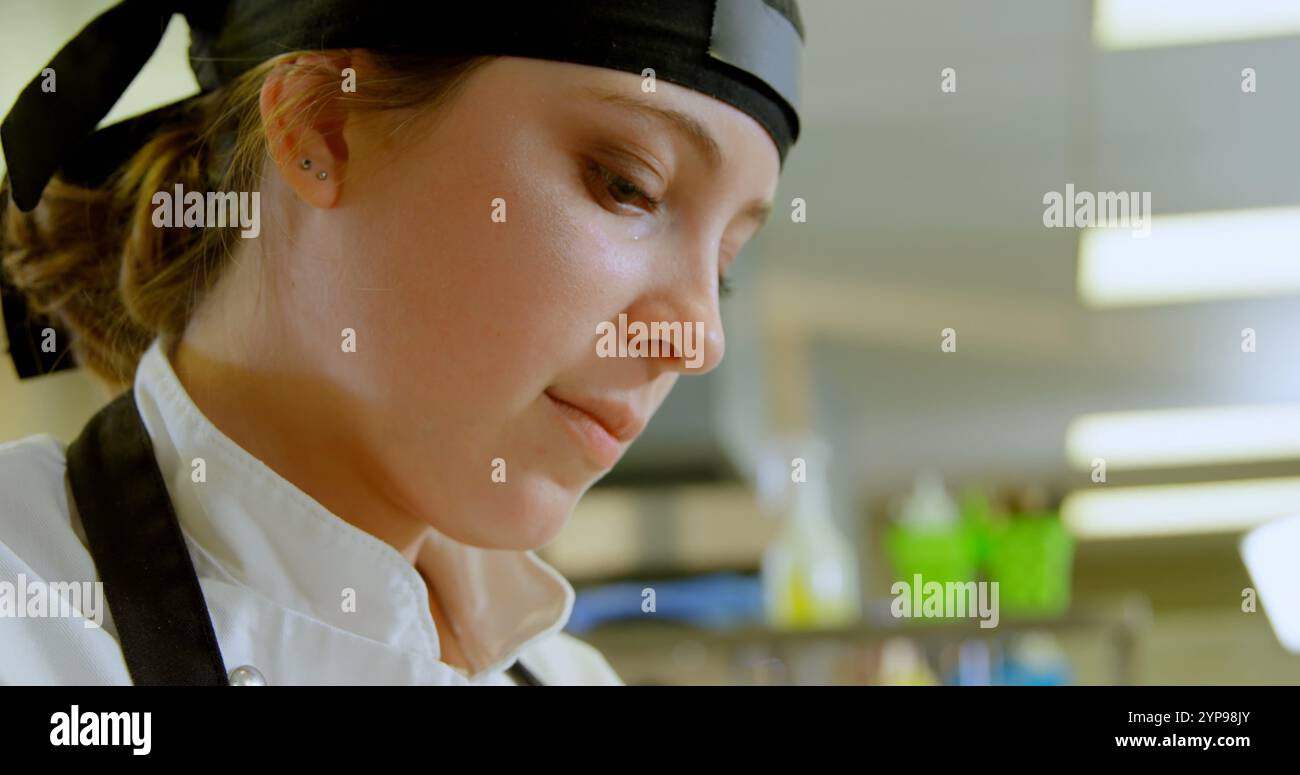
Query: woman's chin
(524, 514)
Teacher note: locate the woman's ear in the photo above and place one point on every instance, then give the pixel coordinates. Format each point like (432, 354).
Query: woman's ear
(303, 116)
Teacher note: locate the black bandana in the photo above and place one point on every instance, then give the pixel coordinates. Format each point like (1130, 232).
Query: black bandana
(743, 52)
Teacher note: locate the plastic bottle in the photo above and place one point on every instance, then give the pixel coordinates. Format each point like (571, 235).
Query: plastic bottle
(810, 573)
(929, 505)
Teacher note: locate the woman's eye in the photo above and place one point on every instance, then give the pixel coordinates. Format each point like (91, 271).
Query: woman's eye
(624, 190)
(621, 190)
(725, 287)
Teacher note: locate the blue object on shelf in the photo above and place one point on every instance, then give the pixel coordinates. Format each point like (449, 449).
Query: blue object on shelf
(716, 601)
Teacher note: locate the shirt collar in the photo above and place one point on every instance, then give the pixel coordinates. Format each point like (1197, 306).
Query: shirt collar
(268, 535)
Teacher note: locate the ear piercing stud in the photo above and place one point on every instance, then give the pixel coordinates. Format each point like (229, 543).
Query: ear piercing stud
(306, 164)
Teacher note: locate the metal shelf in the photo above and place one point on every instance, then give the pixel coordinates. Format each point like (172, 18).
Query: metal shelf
(1121, 622)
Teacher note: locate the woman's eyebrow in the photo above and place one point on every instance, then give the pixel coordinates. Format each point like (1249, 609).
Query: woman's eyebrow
(758, 212)
(680, 122)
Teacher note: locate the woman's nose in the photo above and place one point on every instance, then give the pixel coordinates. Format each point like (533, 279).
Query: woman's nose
(682, 328)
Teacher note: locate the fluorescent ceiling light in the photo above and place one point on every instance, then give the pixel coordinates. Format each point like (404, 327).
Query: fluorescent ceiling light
(1181, 437)
(1178, 509)
(1270, 555)
(1126, 24)
(1192, 257)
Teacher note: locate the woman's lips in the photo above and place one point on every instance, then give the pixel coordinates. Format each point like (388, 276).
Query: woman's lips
(601, 428)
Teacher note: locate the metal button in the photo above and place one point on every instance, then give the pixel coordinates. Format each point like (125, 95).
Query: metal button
(246, 675)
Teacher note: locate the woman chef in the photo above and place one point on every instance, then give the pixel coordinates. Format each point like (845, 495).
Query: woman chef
(349, 296)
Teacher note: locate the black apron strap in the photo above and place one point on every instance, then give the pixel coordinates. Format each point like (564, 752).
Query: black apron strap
(135, 540)
(522, 675)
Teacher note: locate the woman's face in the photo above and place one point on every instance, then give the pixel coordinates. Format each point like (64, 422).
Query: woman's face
(475, 252)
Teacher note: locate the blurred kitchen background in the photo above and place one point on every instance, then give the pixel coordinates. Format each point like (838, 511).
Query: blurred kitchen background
(1098, 442)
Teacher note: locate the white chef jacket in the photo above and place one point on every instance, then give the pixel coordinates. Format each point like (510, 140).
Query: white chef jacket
(294, 591)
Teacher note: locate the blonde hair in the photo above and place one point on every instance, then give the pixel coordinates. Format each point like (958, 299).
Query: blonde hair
(92, 259)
